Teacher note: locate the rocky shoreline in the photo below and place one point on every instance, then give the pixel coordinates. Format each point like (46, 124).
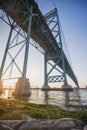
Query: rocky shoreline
(20, 115)
(28, 123)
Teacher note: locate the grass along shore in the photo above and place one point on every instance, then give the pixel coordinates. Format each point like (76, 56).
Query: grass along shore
(14, 109)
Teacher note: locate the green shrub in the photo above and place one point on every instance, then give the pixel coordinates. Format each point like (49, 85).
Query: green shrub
(14, 109)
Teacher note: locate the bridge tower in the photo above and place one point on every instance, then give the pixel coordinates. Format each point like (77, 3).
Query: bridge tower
(22, 87)
(53, 22)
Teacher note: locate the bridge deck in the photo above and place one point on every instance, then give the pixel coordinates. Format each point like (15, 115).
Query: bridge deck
(40, 31)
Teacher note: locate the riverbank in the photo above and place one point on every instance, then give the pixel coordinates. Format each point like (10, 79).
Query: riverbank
(20, 115)
(14, 109)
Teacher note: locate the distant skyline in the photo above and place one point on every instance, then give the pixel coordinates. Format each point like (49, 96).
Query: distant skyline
(73, 17)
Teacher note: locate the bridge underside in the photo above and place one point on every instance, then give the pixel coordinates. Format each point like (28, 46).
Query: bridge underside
(19, 11)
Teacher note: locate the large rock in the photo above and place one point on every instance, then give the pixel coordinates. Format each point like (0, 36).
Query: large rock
(11, 123)
(34, 124)
(67, 124)
(3, 127)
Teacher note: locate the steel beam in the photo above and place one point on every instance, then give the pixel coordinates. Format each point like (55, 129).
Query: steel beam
(5, 53)
(45, 70)
(27, 44)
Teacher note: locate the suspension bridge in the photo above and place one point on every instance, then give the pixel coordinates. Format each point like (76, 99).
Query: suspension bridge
(44, 33)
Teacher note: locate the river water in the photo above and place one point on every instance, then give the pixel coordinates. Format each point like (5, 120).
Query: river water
(67, 100)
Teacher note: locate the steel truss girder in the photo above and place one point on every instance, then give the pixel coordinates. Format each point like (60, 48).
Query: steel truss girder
(5, 18)
(47, 77)
(10, 44)
(19, 32)
(53, 66)
(57, 78)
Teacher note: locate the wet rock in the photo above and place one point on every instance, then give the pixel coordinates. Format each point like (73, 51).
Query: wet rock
(80, 124)
(27, 117)
(11, 123)
(62, 124)
(35, 124)
(3, 127)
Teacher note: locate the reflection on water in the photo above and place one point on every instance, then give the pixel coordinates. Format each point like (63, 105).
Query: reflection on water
(73, 99)
(67, 98)
(7, 94)
(64, 99)
(46, 97)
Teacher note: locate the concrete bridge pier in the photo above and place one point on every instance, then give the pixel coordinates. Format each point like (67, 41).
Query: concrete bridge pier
(67, 87)
(22, 87)
(1, 87)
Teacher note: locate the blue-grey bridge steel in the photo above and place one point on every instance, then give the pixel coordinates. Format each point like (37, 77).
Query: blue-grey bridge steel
(40, 30)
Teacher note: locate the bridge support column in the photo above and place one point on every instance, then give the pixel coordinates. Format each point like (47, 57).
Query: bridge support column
(62, 53)
(23, 86)
(58, 58)
(45, 86)
(1, 87)
(65, 85)
(4, 58)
